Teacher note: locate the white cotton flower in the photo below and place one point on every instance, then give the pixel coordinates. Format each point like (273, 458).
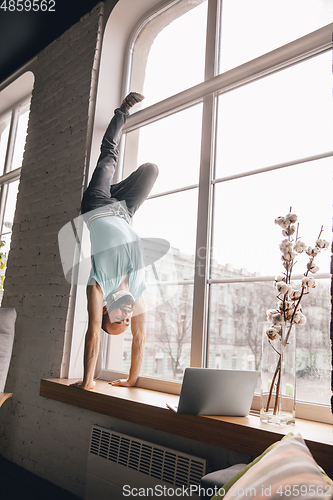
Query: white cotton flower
(280, 277)
(289, 231)
(313, 268)
(285, 305)
(322, 244)
(273, 332)
(299, 318)
(270, 313)
(308, 282)
(312, 251)
(274, 316)
(286, 246)
(288, 256)
(288, 305)
(282, 287)
(281, 221)
(291, 218)
(277, 318)
(288, 314)
(287, 309)
(295, 294)
(300, 247)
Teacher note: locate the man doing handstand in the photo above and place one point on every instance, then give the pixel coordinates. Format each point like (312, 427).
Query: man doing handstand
(116, 282)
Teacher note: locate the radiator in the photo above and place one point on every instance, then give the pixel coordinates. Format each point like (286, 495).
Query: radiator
(120, 467)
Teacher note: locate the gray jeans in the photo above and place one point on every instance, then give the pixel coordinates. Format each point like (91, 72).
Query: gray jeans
(133, 190)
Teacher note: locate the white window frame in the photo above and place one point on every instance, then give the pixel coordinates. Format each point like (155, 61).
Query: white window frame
(10, 175)
(207, 92)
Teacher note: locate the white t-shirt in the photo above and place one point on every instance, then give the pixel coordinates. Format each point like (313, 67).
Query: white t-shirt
(116, 250)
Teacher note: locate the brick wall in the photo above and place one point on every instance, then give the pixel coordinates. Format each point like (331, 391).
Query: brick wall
(34, 432)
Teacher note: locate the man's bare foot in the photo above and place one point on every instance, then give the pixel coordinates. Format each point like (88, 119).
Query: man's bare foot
(122, 382)
(80, 385)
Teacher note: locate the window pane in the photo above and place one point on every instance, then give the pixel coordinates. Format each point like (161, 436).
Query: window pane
(250, 29)
(169, 305)
(236, 319)
(313, 359)
(245, 235)
(10, 206)
(4, 132)
(168, 342)
(6, 230)
(172, 218)
(21, 135)
(169, 54)
(173, 144)
(279, 118)
(237, 314)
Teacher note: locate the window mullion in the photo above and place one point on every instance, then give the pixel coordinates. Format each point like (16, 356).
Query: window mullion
(11, 141)
(212, 39)
(204, 199)
(203, 236)
(10, 176)
(288, 55)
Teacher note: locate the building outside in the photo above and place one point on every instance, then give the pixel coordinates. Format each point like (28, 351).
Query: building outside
(237, 316)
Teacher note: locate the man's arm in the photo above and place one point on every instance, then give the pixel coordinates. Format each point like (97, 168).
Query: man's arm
(92, 340)
(138, 327)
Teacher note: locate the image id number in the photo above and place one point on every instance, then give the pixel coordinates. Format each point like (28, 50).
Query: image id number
(27, 5)
(305, 490)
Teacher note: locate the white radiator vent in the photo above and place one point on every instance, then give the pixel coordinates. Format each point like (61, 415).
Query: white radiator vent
(158, 462)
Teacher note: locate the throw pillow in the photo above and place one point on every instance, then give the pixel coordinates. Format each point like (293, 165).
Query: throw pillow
(286, 471)
(220, 495)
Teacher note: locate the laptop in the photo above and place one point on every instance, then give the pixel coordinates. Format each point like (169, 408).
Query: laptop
(207, 391)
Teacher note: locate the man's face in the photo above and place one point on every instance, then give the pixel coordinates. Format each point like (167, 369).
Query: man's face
(117, 320)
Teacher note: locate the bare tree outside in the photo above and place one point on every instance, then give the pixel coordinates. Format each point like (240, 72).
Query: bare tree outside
(175, 333)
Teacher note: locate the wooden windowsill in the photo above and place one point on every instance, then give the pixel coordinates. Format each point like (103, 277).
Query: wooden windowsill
(148, 408)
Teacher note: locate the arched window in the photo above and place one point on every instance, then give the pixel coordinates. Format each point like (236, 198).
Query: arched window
(238, 117)
(14, 114)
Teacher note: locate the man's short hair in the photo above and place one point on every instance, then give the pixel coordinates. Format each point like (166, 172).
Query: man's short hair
(117, 300)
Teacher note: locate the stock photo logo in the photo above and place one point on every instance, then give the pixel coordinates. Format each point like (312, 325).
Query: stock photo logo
(146, 255)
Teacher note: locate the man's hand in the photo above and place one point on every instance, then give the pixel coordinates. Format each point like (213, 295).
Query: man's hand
(122, 382)
(81, 385)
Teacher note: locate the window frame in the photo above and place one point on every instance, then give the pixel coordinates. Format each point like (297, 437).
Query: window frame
(207, 93)
(10, 175)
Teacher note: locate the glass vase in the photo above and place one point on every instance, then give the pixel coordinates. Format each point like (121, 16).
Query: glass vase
(278, 377)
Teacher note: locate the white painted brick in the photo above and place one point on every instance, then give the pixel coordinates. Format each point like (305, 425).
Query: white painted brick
(31, 434)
